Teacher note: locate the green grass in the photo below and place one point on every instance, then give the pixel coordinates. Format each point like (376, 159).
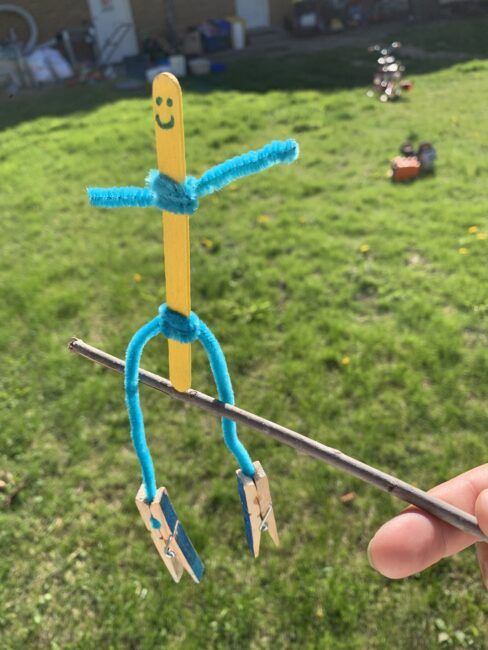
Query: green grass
(289, 297)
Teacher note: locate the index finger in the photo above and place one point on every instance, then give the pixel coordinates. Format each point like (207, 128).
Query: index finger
(414, 540)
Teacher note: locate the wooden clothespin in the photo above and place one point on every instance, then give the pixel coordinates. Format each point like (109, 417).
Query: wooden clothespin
(170, 149)
(257, 508)
(170, 539)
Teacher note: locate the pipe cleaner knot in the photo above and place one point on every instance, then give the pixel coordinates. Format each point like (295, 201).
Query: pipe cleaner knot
(178, 327)
(179, 198)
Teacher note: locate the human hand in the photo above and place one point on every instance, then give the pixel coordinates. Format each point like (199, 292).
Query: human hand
(414, 540)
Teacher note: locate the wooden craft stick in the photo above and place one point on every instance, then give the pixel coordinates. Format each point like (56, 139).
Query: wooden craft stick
(394, 486)
(170, 149)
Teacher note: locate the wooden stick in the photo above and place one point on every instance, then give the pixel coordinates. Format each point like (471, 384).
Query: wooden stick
(170, 148)
(444, 511)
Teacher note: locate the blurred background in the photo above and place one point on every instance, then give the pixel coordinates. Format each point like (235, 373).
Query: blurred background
(45, 42)
(352, 307)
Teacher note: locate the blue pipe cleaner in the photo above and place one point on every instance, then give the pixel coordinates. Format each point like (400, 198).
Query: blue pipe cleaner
(131, 386)
(186, 330)
(182, 198)
(223, 382)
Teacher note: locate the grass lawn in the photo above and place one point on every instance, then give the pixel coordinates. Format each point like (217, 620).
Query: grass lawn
(379, 352)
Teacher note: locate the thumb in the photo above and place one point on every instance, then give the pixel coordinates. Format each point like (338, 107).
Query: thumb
(481, 512)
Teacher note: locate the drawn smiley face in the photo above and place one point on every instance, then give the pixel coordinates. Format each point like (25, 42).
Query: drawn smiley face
(167, 124)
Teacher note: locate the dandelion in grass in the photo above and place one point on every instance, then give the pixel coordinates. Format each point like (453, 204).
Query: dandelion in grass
(463, 251)
(473, 229)
(264, 218)
(207, 243)
(482, 236)
(345, 361)
(137, 277)
(364, 248)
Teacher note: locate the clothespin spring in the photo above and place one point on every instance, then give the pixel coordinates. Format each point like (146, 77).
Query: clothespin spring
(264, 523)
(167, 547)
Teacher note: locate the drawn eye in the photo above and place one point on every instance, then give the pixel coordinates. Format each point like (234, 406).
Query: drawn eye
(169, 102)
(159, 101)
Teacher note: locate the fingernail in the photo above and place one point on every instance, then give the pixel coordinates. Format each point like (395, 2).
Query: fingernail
(482, 554)
(368, 553)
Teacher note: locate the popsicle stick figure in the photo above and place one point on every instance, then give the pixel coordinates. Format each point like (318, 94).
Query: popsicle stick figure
(177, 195)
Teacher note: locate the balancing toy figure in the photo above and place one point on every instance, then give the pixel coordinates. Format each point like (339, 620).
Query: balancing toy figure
(177, 195)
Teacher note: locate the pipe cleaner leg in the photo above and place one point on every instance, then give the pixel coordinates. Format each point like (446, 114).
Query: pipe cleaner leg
(187, 329)
(252, 482)
(155, 507)
(131, 385)
(223, 382)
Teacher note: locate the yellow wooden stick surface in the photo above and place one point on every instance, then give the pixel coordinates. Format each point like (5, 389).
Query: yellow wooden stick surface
(170, 149)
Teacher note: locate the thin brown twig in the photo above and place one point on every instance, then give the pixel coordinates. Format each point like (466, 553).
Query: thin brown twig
(402, 490)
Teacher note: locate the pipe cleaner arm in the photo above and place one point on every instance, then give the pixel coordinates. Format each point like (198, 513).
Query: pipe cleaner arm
(182, 198)
(246, 164)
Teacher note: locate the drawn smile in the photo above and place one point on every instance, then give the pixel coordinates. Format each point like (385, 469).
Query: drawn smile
(166, 125)
(169, 124)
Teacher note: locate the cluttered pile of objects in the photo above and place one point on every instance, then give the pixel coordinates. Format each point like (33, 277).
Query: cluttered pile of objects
(411, 163)
(91, 52)
(332, 16)
(70, 54)
(189, 53)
